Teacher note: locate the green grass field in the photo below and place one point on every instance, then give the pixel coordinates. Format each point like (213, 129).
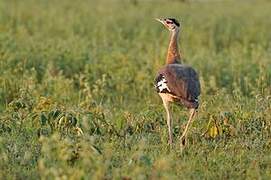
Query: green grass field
(71, 66)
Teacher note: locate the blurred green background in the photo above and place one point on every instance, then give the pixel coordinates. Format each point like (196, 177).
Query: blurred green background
(77, 97)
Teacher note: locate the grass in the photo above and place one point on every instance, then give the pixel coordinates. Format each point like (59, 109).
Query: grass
(72, 66)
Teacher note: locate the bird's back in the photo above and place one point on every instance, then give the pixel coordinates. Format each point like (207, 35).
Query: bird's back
(181, 81)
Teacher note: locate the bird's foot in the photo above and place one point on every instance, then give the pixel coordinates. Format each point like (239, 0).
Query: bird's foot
(170, 143)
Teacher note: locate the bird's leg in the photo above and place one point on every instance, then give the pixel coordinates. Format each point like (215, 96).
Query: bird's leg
(183, 137)
(169, 121)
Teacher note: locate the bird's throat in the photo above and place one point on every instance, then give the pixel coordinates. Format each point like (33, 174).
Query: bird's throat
(173, 54)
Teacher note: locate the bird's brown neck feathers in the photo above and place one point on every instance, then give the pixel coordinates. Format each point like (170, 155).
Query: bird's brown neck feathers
(173, 54)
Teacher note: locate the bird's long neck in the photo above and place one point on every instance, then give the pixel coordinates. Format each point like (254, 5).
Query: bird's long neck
(173, 54)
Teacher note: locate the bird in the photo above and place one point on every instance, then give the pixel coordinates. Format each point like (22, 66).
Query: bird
(177, 82)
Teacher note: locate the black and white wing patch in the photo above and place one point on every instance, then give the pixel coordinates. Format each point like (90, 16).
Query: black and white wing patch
(161, 84)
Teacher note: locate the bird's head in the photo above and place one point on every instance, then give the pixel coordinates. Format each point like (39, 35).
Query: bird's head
(170, 23)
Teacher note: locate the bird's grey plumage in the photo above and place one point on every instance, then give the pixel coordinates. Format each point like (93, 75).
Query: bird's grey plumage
(182, 82)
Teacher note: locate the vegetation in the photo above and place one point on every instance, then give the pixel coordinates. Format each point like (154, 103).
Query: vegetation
(77, 99)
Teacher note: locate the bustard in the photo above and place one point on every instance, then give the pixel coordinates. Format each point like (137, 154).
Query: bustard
(176, 82)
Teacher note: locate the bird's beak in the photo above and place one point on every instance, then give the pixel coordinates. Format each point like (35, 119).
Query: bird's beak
(160, 20)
